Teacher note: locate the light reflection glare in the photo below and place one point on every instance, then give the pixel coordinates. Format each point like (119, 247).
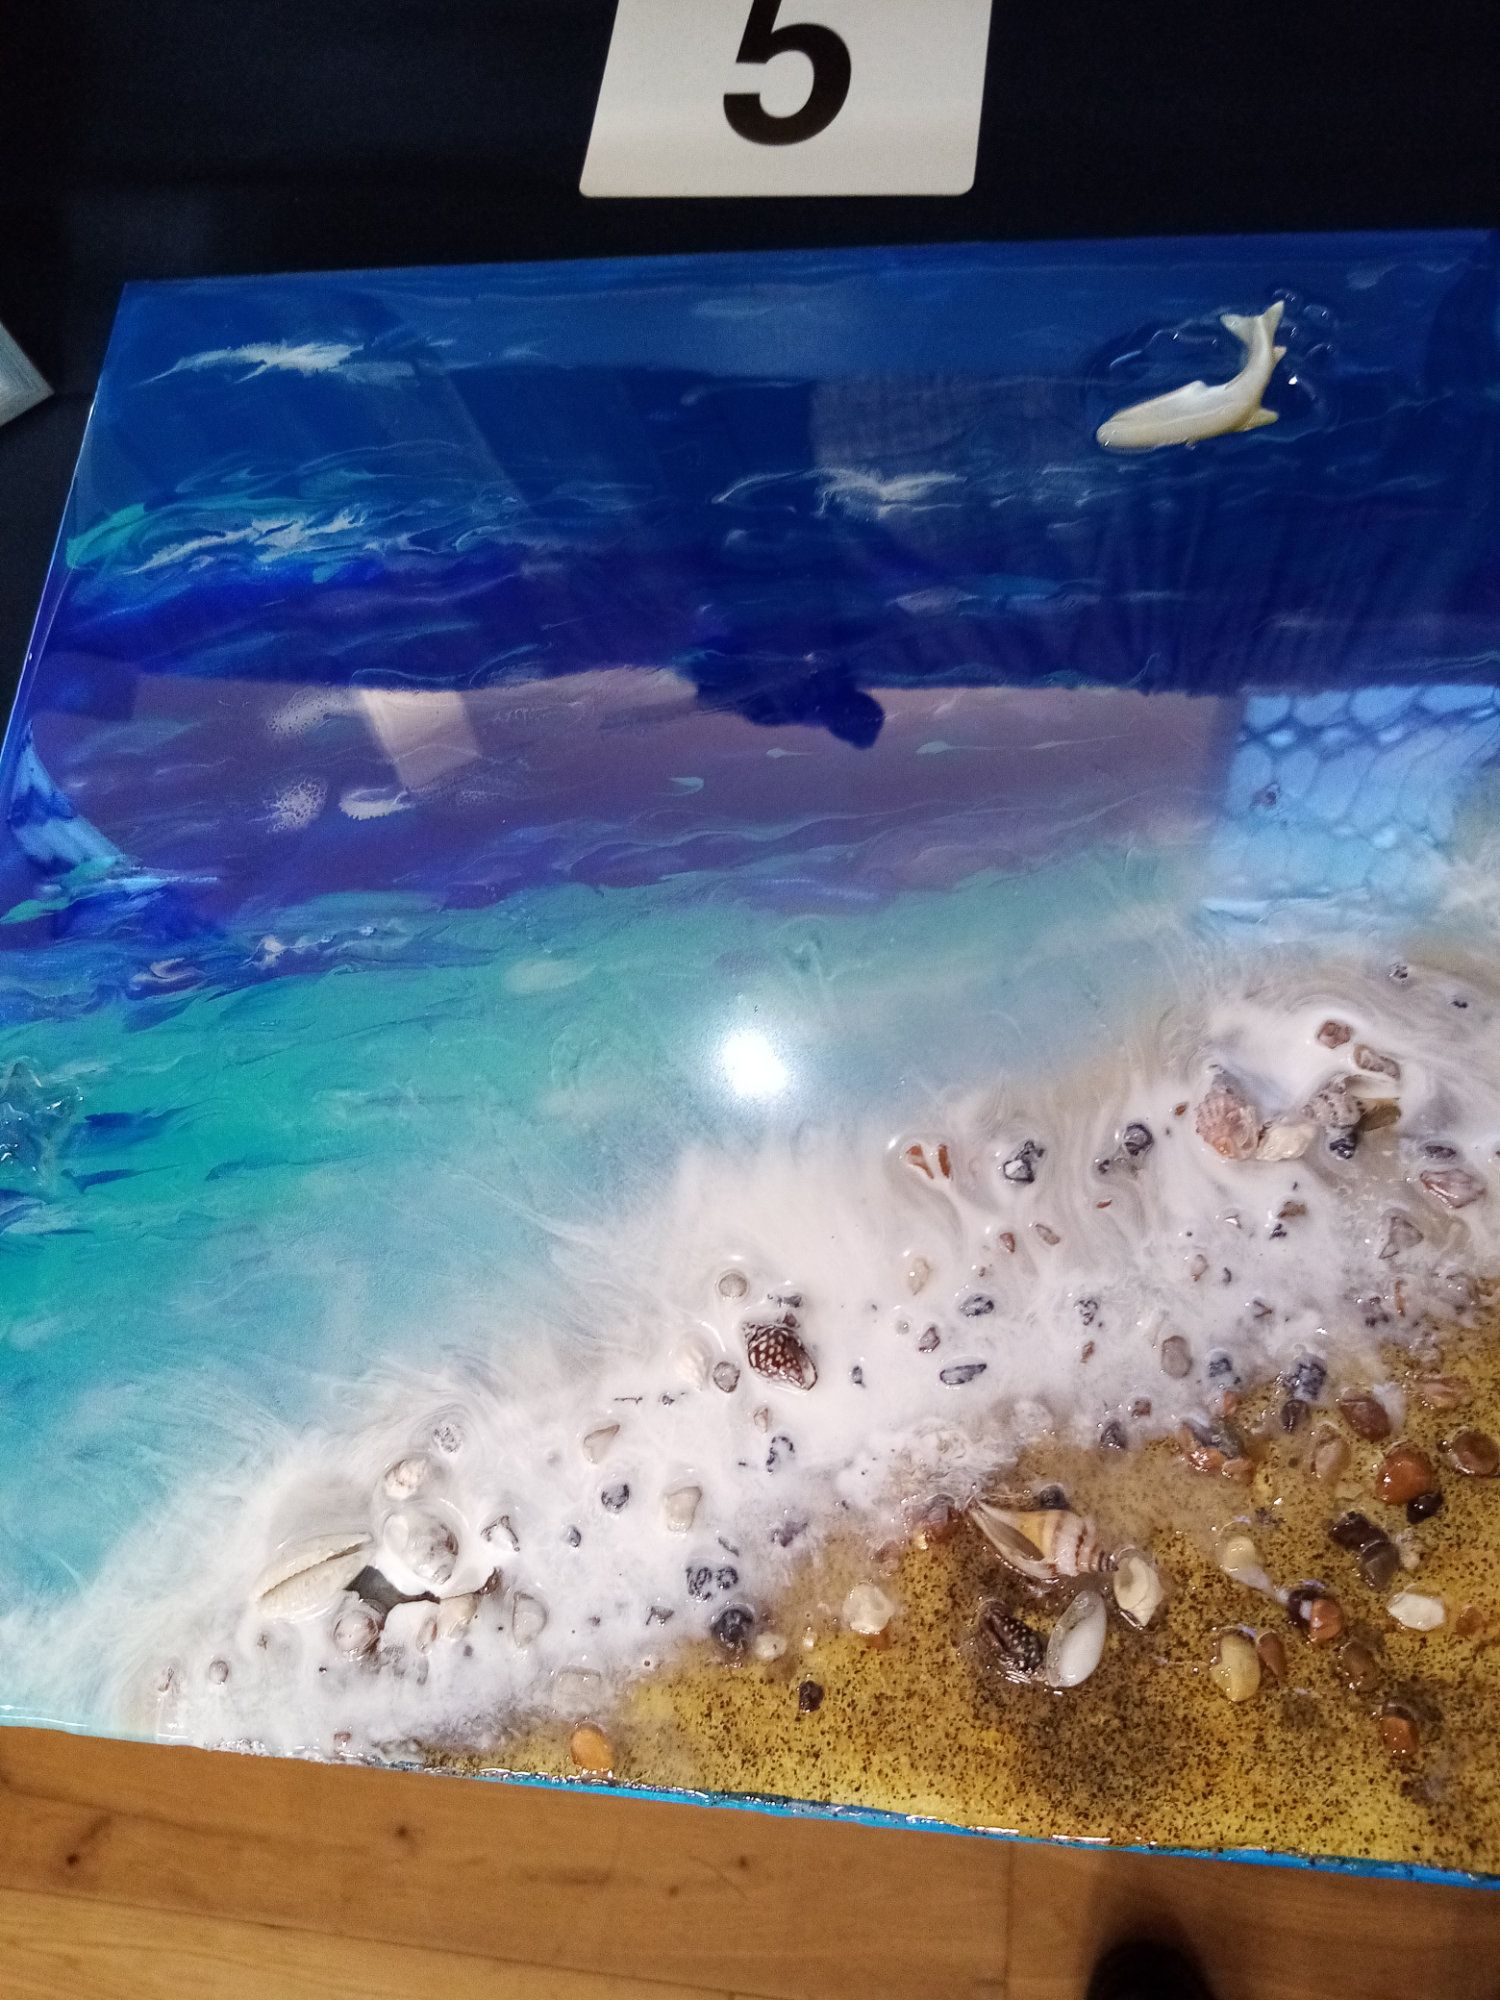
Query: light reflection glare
(751, 1065)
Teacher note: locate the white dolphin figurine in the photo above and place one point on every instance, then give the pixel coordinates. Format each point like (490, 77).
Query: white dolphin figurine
(1200, 409)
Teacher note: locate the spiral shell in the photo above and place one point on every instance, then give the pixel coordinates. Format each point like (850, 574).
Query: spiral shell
(1044, 1543)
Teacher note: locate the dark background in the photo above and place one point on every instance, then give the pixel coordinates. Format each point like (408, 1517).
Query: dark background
(162, 138)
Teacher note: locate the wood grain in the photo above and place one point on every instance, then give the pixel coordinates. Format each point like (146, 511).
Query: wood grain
(731, 1901)
(67, 1948)
(1259, 1933)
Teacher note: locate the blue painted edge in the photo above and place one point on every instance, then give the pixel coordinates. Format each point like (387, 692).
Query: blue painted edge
(780, 1808)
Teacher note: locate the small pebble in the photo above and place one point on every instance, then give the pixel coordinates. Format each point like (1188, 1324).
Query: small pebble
(1424, 1507)
(1313, 1611)
(1443, 1392)
(726, 1376)
(1235, 1668)
(1470, 1621)
(918, 1271)
(867, 1610)
(1417, 1611)
(1176, 1357)
(1293, 1413)
(1359, 1666)
(768, 1646)
(1112, 1435)
(1330, 1455)
(929, 1340)
(1137, 1140)
(733, 1284)
(1401, 1234)
(598, 1442)
(356, 1632)
(961, 1372)
(1374, 1063)
(528, 1619)
(1399, 1734)
(977, 1305)
(218, 1672)
(1453, 1187)
(679, 1508)
(1049, 1236)
(1286, 1139)
(1365, 1415)
(1474, 1453)
(809, 1697)
(934, 1161)
(1334, 1034)
(406, 1477)
(1271, 1650)
(614, 1498)
(1404, 1473)
(590, 1750)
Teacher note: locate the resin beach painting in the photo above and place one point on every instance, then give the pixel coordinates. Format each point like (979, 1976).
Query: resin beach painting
(750, 1038)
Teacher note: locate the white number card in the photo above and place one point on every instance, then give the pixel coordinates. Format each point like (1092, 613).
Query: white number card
(764, 97)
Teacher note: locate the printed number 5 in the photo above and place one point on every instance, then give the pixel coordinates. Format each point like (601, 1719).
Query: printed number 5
(827, 52)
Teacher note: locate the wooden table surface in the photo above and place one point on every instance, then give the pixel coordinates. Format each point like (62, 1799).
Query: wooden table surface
(130, 1871)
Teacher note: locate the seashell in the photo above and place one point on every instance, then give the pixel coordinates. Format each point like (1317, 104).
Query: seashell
(1416, 1611)
(1239, 1558)
(1235, 1669)
(597, 1442)
(1020, 1168)
(732, 1284)
(768, 1646)
(930, 1158)
(575, 1690)
(528, 1619)
(1376, 1064)
(500, 1528)
(309, 1578)
(1453, 1187)
(1286, 1139)
(1077, 1643)
(693, 1361)
(1335, 1106)
(773, 1350)
(356, 1631)
(448, 1434)
(409, 1628)
(1138, 1588)
(867, 1610)
(679, 1508)
(1226, 1120)
(424, 1543)
(1015, 1648)
(455, 1615)
(1044, 1543)
(406, 1477)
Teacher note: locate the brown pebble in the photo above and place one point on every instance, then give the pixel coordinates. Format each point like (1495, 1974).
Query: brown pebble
(1086, 1352)
(1008, 1240)
(1290, 1210)
(1293, 1413)
(1272, 1651)
(1325, 1620)
(1424, 1507)
(1047, 1235)
(1359, 1666)
(1330, 1454)
(809, 1697)
(1242, 1470)
(1470, 1621)
(1399, 1734)
(1176, 1357)
(1443, 1392)
(1365, 1415)
(1404, 1473)
(930, 1339)
(590, 1749)
(936, 1522)
(1384, 1111)
(726, 1376)
(1334, 1034)
(1141, 1407)
(1474, 1453)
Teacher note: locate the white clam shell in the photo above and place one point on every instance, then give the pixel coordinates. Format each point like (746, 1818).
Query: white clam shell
(455, 1614)
(868, 1610)
(597, 1442)
(1077, 1643)
(528, 1619)
(679, 1508)
(309, 1577)
(1417, 1611)
(1138, 1589)
(1286, 1139)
